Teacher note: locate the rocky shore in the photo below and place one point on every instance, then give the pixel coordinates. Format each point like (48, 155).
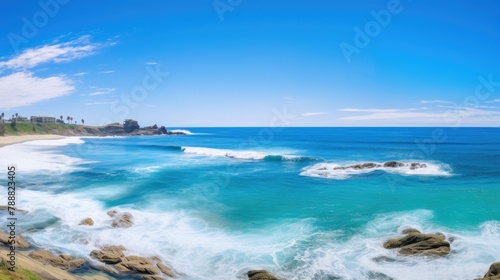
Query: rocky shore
(112, 261)
(128, 128)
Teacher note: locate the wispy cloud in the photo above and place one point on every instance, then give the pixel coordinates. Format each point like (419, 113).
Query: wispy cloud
(101, 91)
(438, 114)
(101, 103)
(368, 110)
(151, 63)
(55, 53)
(107, 72)
(313, 114)
(493, 101)
(435, 101)
(22, 88)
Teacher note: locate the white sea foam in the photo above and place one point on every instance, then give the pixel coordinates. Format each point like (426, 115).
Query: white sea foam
(340, 172)
(39, 156)
(187, 132)
(295, 250)
(472, 253)
(190, 244)
(244, 155)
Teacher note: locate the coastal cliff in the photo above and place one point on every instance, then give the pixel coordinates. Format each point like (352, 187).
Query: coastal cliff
(128, 128)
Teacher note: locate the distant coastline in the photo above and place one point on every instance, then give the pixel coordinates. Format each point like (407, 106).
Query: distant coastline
(128, 128)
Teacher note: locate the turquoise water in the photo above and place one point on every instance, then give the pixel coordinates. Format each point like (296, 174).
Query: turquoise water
(221, 201)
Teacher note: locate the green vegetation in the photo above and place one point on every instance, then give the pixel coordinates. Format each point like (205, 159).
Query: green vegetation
(20, 274)
(2, 129)
(46, 128)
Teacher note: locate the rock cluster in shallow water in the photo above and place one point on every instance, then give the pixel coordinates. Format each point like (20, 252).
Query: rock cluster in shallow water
(147, 268)
(416, 243)
(389, 164)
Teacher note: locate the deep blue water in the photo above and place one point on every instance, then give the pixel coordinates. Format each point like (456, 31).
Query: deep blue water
(225, 200)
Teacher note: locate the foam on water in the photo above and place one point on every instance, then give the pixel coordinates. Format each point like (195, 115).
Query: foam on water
(187, 132)
(39, 156)
(243, 155)
(294, 250)
(339, 172)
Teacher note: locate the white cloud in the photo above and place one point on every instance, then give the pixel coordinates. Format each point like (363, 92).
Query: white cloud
(107, 72)
(368, 110)
(435, 101)
(22, 89)
(313, 114)
(79, 74)
(101, 103)
(151, 63)
(101, 91)
(454, 115)
(493, 101)
(56, 53)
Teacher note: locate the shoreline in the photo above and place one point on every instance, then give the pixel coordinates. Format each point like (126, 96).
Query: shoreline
(16, 139)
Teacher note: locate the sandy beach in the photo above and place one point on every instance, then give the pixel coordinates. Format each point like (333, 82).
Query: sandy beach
(14, 139)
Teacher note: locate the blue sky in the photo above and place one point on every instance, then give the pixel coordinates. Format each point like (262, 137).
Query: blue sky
(183, 63)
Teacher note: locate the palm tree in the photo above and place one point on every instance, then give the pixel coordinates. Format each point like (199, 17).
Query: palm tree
(67, 119)
(17, 115)
(61, 117)
(1, 117)
(71, 119)
(83, 122)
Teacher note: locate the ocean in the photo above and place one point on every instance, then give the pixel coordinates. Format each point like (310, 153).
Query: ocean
(221, 201)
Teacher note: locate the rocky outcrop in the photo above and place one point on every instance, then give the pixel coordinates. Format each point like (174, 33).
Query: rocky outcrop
(260, 275)
(138, 265)
(162, 130)
(63, 261)
(87, 222)
(130, 126)
(368, 165)
(123, 220)
(493, 273)
(416, 243)
(415, 165)
(372, 165)
(393, 164)
(147, 268)
(19, 240)
(112, 129)
(109, 254)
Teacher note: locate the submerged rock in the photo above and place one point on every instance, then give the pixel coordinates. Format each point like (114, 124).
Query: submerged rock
(112, 213)
(123, 220)
(87, 222)
(63, 261)
(416, 165)
(260, 275)
(393, 164)
(20, 242)
(493, 273)
(416, 243)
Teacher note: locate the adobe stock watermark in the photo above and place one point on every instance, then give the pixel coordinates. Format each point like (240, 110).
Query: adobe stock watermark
(32, 25)
(484, 89)
(264, 137)
(223, 6)
(425, 148)
(127, 102)
(363, 36)
(150, 82)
